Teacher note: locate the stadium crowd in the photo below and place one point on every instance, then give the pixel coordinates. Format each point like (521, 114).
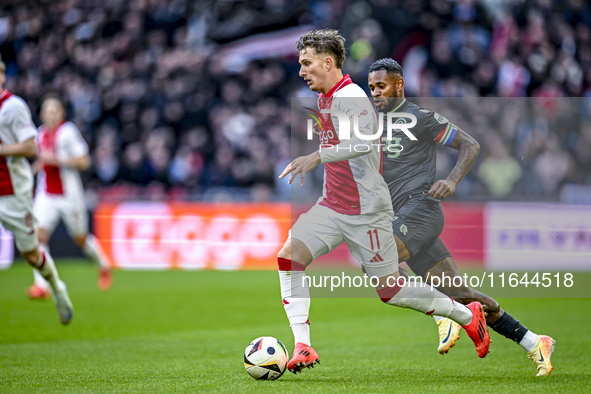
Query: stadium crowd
(166, 116)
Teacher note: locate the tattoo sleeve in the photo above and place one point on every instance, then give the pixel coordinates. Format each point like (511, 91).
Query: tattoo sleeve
(469, 150)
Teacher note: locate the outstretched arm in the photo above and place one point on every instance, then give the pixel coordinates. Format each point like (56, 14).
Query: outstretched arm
(469, 150)
(346, 150)
(301, 165)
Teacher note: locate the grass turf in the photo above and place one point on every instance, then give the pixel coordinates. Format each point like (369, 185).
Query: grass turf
(178, 331)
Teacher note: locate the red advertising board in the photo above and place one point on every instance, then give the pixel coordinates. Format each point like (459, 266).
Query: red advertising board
(160, 235)
(192, 236)
(463, 233)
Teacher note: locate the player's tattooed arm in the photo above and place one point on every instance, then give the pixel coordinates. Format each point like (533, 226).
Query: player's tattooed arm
(469, 151)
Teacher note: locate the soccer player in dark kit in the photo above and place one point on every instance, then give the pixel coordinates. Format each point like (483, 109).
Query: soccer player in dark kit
(409, 171)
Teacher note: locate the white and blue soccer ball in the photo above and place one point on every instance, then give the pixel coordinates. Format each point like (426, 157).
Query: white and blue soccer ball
(265, 358)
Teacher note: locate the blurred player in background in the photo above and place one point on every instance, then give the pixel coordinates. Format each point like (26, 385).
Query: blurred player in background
(355, 207)
(17, 143)
(60, 195)
(409, 170)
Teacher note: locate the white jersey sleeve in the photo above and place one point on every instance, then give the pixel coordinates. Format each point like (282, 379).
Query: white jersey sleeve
(19, 118)
(74, 145)
(67, 143)
(16, 126)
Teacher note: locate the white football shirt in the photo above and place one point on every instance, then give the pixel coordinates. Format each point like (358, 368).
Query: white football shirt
(16, 126)
(353, 183)
(66, 142)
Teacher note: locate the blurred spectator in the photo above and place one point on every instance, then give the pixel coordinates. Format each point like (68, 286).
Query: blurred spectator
(185, 96)
(499, 171)
(553, 165)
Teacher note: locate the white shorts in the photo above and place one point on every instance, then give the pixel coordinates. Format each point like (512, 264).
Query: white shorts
(50, 209)
(16, 214)
(369, 237)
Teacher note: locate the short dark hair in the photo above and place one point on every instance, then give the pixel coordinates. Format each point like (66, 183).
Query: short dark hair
(325, 41)
(390, 65)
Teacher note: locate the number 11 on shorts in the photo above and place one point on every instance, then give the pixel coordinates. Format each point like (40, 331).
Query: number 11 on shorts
(375, 232)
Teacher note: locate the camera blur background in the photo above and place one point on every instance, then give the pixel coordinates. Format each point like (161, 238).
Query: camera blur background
(189, 100)
(185, 105)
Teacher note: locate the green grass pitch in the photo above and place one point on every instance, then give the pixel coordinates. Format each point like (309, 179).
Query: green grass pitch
(177, 331)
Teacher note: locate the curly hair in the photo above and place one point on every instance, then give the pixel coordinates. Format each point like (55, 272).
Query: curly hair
(325, 41)
(390, 65)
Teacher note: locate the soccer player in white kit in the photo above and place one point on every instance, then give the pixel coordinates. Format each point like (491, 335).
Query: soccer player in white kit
(355, 207)
(17, 143)
(60, 195)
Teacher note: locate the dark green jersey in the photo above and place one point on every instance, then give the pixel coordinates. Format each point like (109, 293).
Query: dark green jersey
(409, 166)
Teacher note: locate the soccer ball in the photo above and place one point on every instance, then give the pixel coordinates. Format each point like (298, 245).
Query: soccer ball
(265, 358)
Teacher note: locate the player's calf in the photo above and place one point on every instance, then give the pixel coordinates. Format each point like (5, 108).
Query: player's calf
(445, 271)
(59, 292)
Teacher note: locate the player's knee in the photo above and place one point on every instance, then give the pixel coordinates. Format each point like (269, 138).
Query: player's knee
(285, 251)
(43, 236)
(402, 272)
(80, 240)
(31, 257)
(444, 268)
(403, 253)
(452, 285)
(446, 274)
(297, 251)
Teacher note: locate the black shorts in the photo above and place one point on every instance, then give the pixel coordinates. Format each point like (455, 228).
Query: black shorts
(418, 223)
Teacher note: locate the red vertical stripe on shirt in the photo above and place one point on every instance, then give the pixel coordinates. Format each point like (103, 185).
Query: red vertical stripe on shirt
(342, 193)
(53, 178)
(6, 188)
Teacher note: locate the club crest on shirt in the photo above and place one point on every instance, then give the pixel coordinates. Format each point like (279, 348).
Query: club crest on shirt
(29, 222)
(400, 121)
(440, 118)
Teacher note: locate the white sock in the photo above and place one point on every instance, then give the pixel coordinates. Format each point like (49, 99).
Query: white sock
(461, 314)
(301, 333)
(296, 299)
(437, 318)
(39, 281)
(423, 298)
(94, 250)
(46, 268)
(529, 341)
